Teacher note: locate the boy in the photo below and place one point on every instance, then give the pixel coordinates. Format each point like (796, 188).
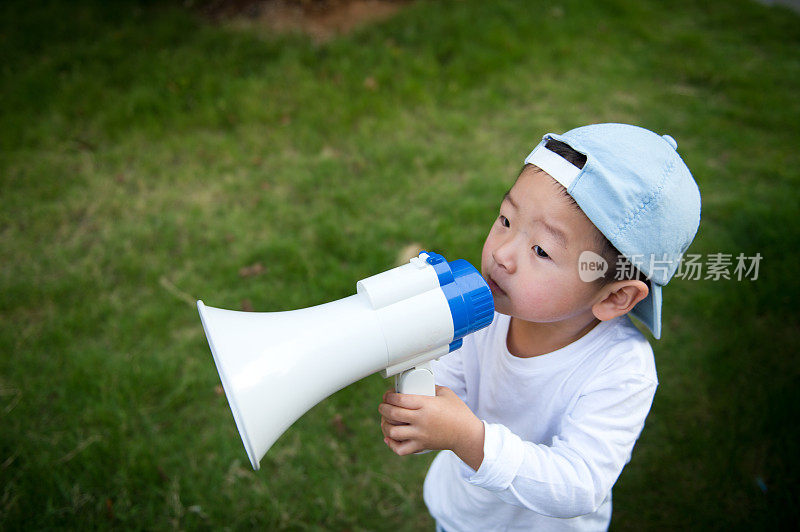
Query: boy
(538, 413)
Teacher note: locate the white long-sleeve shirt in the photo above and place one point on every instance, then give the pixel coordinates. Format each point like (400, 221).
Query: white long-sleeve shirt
(559, 429)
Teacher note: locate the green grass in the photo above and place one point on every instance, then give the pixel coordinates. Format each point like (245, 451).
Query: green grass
(147, 156)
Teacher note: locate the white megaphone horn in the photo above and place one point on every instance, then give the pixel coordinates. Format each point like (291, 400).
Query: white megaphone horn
(275, 366)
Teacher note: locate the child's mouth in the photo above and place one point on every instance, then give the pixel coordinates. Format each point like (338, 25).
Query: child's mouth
(493, 286)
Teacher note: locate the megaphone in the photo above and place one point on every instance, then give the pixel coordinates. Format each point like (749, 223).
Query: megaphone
(275, 366)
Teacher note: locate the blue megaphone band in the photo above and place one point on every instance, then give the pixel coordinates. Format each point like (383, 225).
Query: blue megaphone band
(469, 297)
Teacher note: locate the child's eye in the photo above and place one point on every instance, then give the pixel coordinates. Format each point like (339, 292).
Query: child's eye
(540, 252)
(504, 221)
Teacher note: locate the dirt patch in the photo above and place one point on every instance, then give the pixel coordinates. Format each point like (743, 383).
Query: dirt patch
(320, 19)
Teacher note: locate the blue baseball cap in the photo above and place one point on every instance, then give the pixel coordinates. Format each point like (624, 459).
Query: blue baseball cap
(638, 192)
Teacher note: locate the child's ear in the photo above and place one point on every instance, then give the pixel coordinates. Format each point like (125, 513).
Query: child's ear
(619, 298)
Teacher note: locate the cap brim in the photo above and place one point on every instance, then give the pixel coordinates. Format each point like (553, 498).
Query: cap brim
(648, 310)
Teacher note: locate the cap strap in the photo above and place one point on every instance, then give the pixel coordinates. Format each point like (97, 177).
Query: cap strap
(559, 168)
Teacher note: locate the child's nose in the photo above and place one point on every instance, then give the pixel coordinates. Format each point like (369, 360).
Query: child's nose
(505, 256)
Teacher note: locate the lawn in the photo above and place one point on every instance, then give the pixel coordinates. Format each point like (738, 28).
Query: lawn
(150, 157)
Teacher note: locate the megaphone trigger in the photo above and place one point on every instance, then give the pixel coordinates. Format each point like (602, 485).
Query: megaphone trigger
(418, 380)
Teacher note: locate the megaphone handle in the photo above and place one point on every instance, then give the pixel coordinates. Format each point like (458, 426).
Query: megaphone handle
(418, 380)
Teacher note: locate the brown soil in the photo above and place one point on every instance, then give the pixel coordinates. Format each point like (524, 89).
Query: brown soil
(320, 19)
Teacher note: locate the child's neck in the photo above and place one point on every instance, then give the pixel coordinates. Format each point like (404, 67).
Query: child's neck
(530, 339)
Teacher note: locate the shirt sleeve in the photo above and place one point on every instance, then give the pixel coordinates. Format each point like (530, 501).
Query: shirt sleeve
(573, 475)
(449, 371)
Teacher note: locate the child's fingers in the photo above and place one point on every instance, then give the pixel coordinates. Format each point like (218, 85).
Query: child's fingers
(390, 431)
(399, 432)
(385, 424)
(404, 400)
(444, 391)
(393, 445)
(403, 448)
(396, 414)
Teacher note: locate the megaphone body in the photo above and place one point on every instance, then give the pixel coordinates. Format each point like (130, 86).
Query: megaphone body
(275, 366)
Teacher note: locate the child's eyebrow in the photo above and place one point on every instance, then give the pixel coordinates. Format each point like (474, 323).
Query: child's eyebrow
(559, 235)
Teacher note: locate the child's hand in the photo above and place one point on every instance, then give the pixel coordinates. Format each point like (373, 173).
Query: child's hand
(412, 423)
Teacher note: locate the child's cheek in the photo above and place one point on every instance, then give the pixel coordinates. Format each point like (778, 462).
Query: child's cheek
(486, 254)
(533, 302)
(544, 301)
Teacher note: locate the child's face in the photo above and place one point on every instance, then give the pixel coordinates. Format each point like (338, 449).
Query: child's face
(530, 258)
